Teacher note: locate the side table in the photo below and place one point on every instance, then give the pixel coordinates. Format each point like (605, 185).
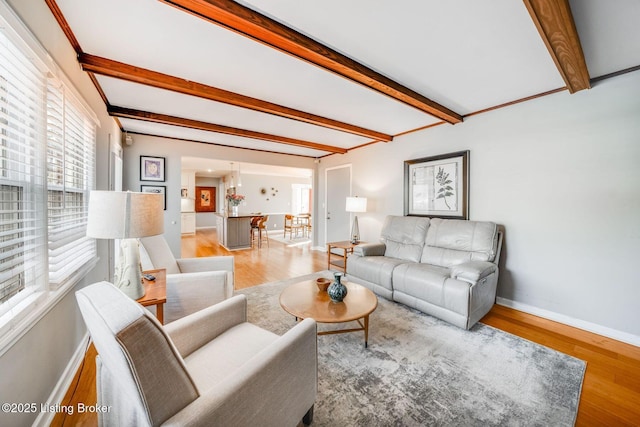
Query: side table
(347, 248)
(155, 292)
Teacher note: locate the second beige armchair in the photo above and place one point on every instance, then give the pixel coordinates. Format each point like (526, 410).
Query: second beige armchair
(192, 283)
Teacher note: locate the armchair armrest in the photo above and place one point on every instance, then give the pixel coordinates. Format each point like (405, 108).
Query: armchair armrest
(370, 249)
(192, 265)
(276, 387)
(473, 271)
(193, 331)
(191, 292)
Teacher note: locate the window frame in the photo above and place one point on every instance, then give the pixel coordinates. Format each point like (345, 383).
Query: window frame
(30, 305)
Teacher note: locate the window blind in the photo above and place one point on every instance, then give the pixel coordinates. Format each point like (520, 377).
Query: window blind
(22, 179)
(70, 169)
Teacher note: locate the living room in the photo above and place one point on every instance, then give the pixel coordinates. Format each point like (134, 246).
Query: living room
(557, 171)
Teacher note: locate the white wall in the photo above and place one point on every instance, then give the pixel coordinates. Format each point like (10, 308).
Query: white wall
(173, 151)
(562, 174)
(31, 368)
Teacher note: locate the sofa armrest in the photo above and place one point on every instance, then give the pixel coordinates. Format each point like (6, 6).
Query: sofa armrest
(193, 331)
(276, 387)
(473, 271)
(370, 249)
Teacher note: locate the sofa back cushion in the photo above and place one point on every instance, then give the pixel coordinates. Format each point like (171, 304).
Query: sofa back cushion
(404, 236)
(451, 241)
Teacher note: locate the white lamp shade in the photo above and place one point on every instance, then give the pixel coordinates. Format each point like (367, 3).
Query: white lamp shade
(356, 204)
(124, 214)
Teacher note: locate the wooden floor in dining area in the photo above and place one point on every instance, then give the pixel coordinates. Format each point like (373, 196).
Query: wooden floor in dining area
(611, 389)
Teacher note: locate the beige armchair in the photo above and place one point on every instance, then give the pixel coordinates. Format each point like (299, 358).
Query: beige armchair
(208, 368)
(192, 283)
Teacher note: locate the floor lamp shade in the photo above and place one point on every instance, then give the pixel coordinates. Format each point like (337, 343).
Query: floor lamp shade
(126, 216)
(356, 204)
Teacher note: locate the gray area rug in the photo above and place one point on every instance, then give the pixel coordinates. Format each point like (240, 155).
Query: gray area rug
(420, 371)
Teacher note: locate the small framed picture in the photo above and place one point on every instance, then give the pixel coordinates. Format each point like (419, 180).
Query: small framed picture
(156, 189)
(151, 168)
(205, 199)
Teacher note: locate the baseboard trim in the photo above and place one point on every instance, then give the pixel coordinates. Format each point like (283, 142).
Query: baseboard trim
(45, 419)
(571, 321)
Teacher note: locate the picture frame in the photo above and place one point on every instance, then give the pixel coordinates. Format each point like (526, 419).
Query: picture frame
(205, 199)
(152, 168)
(437, 186)
(156, 189)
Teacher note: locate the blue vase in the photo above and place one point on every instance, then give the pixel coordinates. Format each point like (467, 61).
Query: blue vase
(337, 291)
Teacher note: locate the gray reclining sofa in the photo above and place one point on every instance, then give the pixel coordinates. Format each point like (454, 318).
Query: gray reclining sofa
(443, 267)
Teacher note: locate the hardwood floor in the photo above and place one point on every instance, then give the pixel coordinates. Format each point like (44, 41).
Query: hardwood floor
(611, 389)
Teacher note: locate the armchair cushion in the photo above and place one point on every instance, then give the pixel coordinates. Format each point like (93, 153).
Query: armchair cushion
(192, 332)
(156, 253)
(188, 293)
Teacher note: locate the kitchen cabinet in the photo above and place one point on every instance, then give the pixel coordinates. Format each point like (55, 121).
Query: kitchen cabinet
(188, 224)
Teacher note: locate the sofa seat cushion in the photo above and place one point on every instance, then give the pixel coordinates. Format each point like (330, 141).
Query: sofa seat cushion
(228, 352)
(374, 269)
(452, 242)
(433, 284)
(404, 237)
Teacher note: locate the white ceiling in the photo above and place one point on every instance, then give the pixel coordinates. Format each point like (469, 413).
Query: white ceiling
(465, 55)
(220, 168)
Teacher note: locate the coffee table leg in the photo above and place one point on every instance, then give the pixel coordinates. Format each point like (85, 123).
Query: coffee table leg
(366, 331)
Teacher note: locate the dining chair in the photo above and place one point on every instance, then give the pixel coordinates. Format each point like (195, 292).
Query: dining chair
(291, 225)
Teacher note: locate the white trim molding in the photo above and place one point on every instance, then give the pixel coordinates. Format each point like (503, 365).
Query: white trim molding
(64, 382)
(571, 321)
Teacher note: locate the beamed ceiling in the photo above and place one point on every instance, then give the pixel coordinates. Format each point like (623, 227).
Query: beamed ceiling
(315, 78)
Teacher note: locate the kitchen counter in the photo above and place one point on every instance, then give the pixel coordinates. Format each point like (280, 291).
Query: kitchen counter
(234, 232)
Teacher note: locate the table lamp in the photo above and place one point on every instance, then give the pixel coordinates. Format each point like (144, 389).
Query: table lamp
(125, 215)
(356, 204)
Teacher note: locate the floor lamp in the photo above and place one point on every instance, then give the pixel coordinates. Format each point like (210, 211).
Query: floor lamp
(356, 204)
(126, 216)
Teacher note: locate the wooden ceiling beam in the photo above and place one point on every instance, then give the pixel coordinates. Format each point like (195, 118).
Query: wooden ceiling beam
(256, 26)
(556, 26)
(110, 68)
(130, 113)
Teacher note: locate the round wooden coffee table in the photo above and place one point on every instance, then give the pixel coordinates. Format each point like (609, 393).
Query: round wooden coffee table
(304, 299)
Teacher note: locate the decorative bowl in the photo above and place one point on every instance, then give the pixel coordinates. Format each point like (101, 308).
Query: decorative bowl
(323, 283)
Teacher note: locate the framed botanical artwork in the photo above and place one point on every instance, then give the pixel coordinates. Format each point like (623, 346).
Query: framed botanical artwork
(437, 186)
(156, 189)
(151, 168)
(205, 199)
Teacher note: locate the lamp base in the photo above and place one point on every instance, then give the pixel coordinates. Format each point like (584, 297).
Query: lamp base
(128, 277)
(355, 232)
